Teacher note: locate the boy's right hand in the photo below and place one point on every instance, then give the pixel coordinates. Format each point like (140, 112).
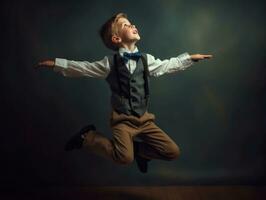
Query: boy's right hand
(46, 64)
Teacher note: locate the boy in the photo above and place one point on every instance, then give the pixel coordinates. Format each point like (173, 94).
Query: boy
(127, 73)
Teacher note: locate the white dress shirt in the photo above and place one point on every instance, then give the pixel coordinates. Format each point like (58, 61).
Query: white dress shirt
(101, 68)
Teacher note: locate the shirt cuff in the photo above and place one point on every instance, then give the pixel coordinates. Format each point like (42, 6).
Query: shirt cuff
(60, 64)
(185, 60)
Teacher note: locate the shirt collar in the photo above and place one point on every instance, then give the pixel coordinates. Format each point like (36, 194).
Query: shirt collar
(123, 50)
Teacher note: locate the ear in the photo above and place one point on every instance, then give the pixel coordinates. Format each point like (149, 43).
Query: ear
(116, 39)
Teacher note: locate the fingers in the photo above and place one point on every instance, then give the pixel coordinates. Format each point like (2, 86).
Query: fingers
(37, 66)
(207, 56)
(40, 64)
(46, 63)
(197, 57)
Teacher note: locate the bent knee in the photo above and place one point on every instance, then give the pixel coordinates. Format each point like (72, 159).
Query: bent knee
(125, 160)
(173, 152)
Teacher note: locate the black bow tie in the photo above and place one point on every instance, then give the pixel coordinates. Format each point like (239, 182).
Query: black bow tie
(133, 56)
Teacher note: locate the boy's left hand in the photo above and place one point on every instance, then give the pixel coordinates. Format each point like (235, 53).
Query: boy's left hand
(197, 57)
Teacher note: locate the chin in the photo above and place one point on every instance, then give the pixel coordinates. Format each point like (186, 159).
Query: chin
(135, 39)
(138, 38)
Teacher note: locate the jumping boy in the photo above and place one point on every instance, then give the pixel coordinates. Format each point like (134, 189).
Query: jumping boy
(127, 73)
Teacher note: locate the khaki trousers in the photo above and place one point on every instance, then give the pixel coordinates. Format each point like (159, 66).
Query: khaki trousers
(156, 144)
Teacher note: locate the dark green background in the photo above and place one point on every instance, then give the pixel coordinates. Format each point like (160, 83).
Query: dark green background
(215, 110)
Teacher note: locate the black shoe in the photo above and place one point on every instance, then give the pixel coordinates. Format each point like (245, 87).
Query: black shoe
(142, 163)
(75, 142)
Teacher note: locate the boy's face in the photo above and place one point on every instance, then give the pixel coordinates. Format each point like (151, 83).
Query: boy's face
(126, 31)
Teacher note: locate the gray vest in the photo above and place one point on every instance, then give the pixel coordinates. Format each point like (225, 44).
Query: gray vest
(130, 92)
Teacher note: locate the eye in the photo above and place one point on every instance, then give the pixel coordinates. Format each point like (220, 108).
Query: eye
(127, 25)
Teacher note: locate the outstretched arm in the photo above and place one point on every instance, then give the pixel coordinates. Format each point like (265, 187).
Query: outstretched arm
(71, 68)
(159, 67)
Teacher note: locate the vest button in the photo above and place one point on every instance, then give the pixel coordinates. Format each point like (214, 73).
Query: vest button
(134, 99)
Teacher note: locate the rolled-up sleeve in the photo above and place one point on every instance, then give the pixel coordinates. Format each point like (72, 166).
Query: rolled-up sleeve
(159, 67)
(71, 68)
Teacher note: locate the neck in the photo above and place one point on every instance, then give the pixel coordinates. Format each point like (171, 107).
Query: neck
(129, 46)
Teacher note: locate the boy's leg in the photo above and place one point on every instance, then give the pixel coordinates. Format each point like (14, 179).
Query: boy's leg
(156, 143)
(123, 152)
(120, 147)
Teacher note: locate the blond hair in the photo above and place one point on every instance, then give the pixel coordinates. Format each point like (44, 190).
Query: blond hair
(109, 28)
